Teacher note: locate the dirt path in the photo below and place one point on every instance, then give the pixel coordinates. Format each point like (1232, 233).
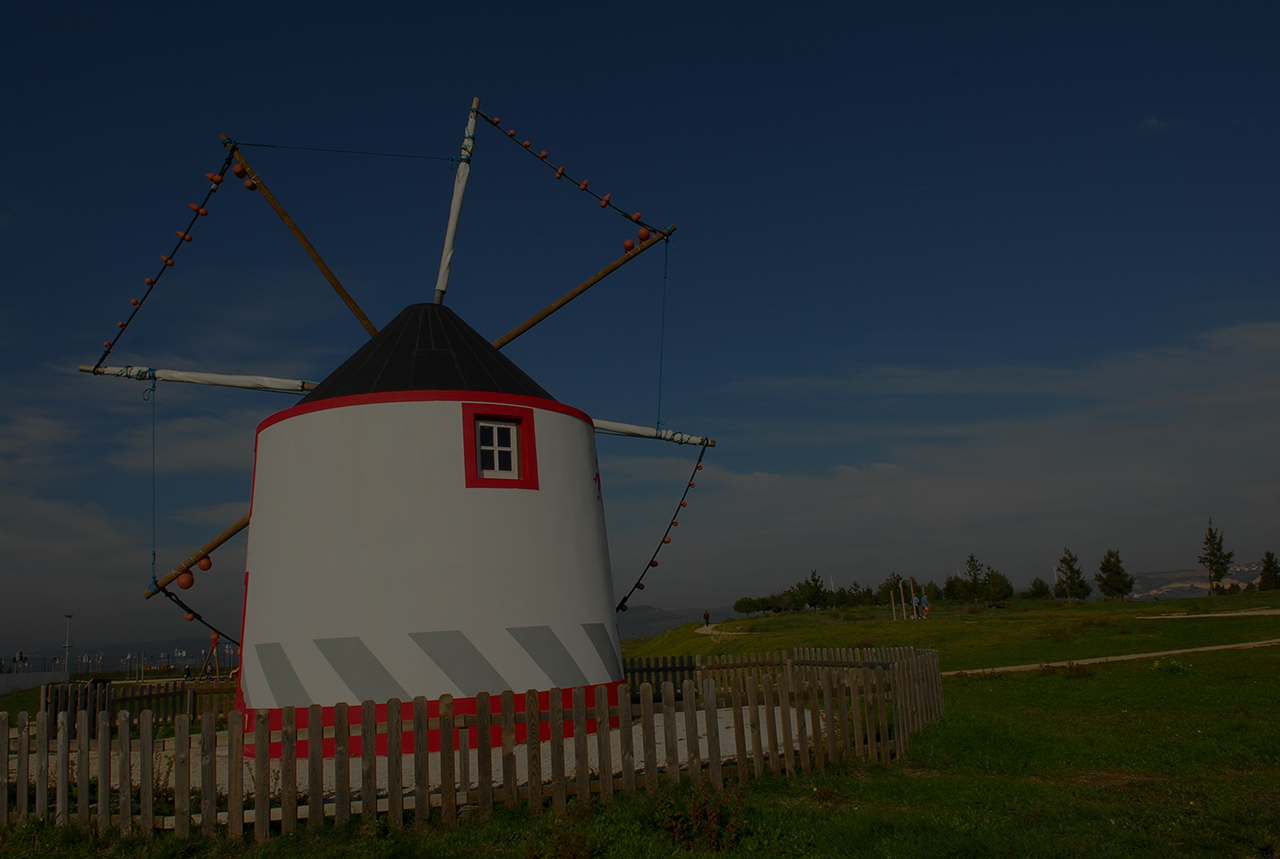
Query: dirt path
(1247, 645)
(1244, 612)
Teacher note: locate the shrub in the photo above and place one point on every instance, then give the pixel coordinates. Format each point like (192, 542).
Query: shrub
(1075, 672)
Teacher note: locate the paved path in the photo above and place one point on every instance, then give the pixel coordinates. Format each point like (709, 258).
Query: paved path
(1247, 645)
(1244, 612)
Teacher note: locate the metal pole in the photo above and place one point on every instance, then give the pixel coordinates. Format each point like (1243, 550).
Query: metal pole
(66, 648)
(455, 207)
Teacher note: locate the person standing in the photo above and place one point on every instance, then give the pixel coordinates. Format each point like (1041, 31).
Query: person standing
(924, 604)
(915, 607)
(706, 618)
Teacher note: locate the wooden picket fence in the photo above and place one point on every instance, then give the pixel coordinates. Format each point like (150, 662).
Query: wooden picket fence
(788, 718)
(165, 699)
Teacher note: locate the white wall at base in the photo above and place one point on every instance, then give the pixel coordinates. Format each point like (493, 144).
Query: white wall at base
(375, 571)
(30, 680)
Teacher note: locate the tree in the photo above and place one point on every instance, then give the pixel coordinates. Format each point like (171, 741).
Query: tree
(973, 572)
(1068, 581)
(812, 591)
(888, 590)
(933, 591)
(1112, 580)
(1270, 579)
(748, 605)
(1214, 559)
(995, 586)
(957, 588)
(1039, 589)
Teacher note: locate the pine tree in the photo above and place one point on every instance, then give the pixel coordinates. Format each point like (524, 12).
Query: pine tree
(1112, 580)
(973, 572)
(1069, 583)
(1270, 580)
(1214, 559)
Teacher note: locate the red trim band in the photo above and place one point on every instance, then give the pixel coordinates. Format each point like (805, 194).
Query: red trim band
(427, 396)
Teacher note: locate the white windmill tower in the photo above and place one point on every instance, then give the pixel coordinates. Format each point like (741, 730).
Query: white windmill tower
(427, 520)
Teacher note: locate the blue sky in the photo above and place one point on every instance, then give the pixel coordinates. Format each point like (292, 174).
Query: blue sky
(948, 278)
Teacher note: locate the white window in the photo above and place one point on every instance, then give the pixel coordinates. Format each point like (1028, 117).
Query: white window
(498, 449)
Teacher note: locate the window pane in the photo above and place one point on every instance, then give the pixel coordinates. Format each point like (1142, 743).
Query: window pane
(486, 460)
(504, 436)
(486, 436)
(504, 460)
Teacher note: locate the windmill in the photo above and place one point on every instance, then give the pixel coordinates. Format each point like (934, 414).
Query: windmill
(428, 519)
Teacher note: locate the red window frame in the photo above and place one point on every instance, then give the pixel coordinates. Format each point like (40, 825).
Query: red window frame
(526, 442)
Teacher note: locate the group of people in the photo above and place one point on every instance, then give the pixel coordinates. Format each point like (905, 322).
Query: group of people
(919, 606)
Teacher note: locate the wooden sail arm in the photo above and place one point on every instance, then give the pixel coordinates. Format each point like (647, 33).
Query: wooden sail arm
(203, 552)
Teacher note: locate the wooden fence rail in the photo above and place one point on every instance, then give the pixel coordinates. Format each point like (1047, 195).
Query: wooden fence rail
(728, 725)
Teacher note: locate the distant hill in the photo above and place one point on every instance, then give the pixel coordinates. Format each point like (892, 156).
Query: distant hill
(1181, 584)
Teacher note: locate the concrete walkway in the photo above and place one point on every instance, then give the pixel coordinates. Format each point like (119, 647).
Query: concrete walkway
(1157, 654)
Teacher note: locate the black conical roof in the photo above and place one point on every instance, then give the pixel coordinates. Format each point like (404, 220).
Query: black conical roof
(427, 348)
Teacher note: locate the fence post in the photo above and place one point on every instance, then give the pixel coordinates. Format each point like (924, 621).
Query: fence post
(104, 770)
(261, 777)
(689, 694)
(63, 774)
(146, 784)
(421, 763)
(820, 752)
(533, 748)
(395, 764)
(669, 747)
(828, 693)
(368, 764)
(182, 774)
(771, 723)
(315, 766)
(753, 709)
(784, 701)
(484, 753)
(857, 691)
(882, 694)
(341, 764)
(739, 725)
(208, 772)
(626, 738)
(509, 795)
(448, 782)
(124, 723)
(42, 764)
(604, 743)
(711, 712)
(288, 769)
(559, 791)
(647, 737)
(582, 781)
(4, 772)
(842, 695)
(235, 775)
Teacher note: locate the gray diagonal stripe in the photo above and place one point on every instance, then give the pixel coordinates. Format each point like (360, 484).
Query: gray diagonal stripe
(458, 658)
(547, 650)
(364, 675)
(286, 688)
(604, 646)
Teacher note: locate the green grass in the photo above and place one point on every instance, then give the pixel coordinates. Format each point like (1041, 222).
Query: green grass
(27, 701)
(1171, 758)
(1024, 632)
(1130, 762)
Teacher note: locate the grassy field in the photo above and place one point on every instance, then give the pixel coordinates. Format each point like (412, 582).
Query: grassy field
(1023, 632)
(1170, 758)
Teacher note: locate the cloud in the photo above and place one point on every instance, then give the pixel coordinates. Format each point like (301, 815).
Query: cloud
(1133, 452)
(219, 516)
